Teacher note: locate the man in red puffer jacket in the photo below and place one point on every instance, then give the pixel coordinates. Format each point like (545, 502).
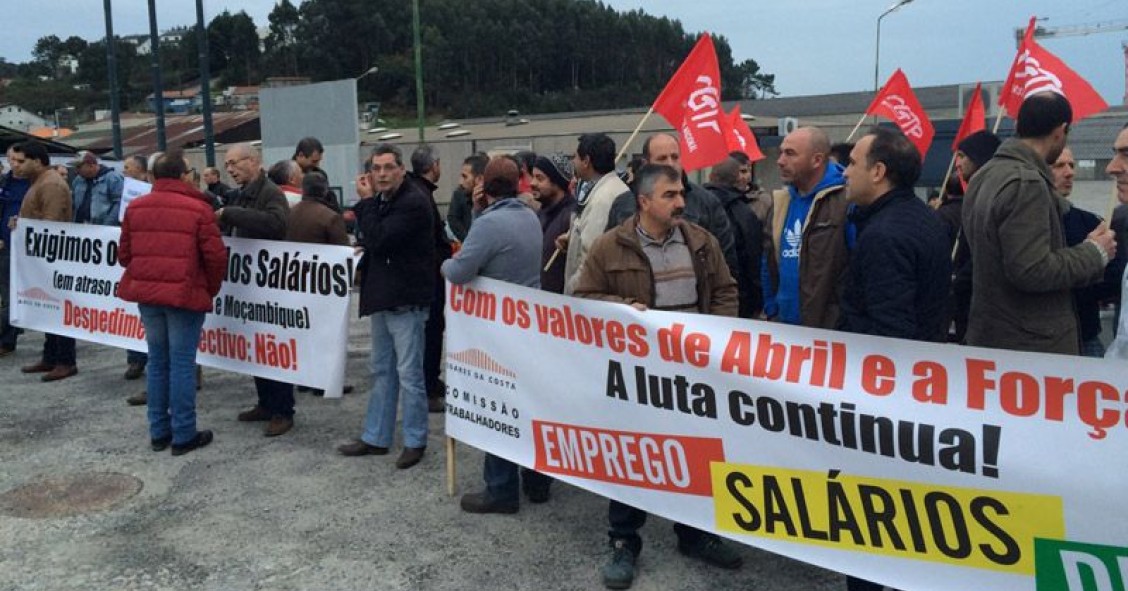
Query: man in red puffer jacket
(174, 261)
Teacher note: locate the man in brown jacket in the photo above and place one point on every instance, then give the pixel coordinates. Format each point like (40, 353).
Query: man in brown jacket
(1022, 271)
(48, 198)
(655, 259)
(806, 234)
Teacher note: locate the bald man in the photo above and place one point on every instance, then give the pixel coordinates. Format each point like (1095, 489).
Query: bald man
(259, 210)
(806, 234)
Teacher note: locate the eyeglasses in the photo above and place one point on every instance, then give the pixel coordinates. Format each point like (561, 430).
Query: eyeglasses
(231, 163)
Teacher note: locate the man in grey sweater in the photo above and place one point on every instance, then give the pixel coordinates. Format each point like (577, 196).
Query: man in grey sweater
(504, 243)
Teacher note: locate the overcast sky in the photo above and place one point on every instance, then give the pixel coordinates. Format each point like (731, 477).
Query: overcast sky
(812, 46)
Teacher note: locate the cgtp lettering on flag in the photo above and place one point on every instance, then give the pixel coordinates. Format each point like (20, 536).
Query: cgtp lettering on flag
(1036, 70)
(899, 104)
(691, 103)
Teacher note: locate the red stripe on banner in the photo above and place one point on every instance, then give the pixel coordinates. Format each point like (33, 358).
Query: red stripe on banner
(673, 463)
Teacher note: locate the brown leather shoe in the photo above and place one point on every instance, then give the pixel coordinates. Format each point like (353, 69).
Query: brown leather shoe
(6, 351)
(278, 425)
(361, 448)
(410, 457)
(41, 367)
(138, 399)
(254, 415)
(60, 372)
(134, 371)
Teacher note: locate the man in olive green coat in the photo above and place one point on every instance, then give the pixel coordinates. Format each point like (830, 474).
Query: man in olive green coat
(1023, 273)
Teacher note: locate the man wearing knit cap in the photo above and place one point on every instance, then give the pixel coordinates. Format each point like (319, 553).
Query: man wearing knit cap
(504, 244)
(1022, 270)
(552, 175)
(973, 152)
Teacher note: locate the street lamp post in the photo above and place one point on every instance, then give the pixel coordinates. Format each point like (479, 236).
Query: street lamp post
(877, 46)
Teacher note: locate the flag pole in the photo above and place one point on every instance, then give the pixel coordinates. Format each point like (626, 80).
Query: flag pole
(947, 177)
(450, 466)
(998, 120)
(1113, 203)
(856, 127)
(634, 134)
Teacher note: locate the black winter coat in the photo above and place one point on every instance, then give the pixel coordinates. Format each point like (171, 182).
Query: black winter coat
(398, 268)
(897, 281)
(748, 240)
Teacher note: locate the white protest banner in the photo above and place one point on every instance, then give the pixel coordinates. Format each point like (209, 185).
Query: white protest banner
(282, 312)
(916, 465)
(130, 190)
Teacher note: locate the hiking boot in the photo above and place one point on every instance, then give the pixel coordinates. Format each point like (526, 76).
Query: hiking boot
(41, 367)
(160, 444)
(278, 425)
(619, 570)
(138, 399)
(60, 372)
(482, 502)
(537, 493)
(709, 549)
(410, 457)
(361, 448)
(202, 439)
(134, 371)
(254, 415)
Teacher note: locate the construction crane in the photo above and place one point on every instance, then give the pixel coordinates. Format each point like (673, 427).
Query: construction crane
(1041, 32)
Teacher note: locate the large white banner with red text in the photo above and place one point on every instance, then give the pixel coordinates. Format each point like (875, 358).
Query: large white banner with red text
(919, 466)
(282, 312)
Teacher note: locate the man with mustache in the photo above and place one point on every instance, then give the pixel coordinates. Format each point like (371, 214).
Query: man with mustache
(656, 259)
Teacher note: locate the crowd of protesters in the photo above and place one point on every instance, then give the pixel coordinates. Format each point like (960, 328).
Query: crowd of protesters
(1002, 260)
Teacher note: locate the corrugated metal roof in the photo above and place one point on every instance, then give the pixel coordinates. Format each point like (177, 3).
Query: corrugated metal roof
(140, 137)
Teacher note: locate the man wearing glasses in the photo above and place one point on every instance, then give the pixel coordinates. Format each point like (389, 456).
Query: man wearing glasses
(259, 210)
(397, 275)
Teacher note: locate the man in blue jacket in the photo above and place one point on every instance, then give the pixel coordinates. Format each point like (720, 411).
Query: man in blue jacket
(12, 191)
(96, 190)
(806, 234)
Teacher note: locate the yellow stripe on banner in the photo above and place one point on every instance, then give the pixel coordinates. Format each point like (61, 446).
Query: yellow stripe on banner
(968, 527)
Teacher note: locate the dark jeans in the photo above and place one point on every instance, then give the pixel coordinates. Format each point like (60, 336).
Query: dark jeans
(502, 478)
(276, 397)
(58, 350)
(625, 521)
(853, 584)
(138, 357)
(8, 333)
(433, 342)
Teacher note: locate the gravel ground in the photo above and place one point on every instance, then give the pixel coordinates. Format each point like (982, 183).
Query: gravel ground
(249, 512)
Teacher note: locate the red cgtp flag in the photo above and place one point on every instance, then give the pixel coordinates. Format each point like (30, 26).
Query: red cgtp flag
(741, 138)
(1037, 70)
(691, 103)
(974, 118)
(897, 103)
